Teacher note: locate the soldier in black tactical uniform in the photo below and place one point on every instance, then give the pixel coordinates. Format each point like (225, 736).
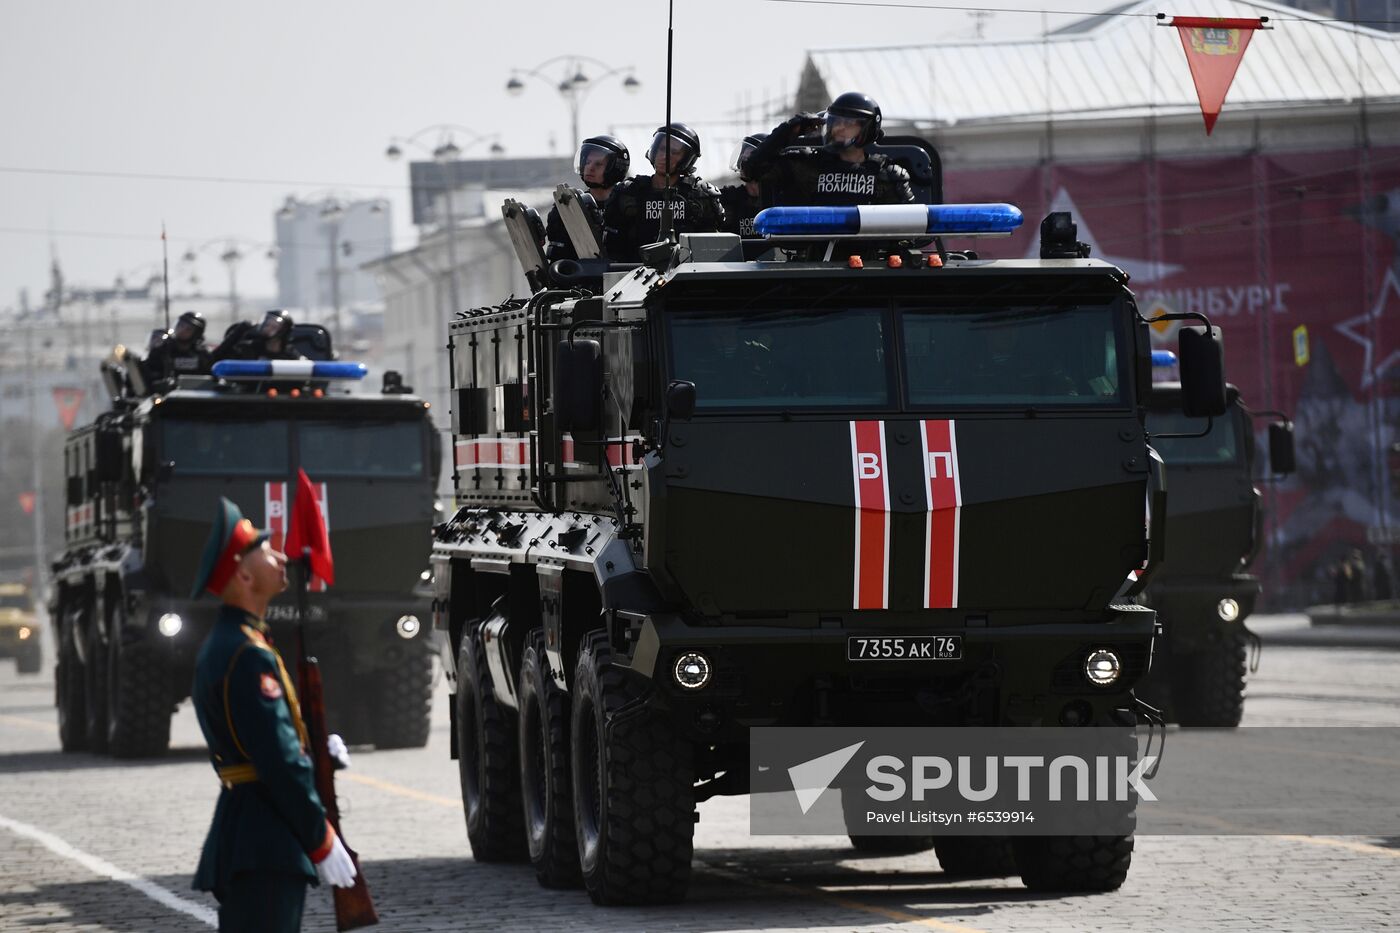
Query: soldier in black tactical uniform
(601, 163)
(841, 172)
(270, 340)
(183, 354)
(743, 201)
(634, 213)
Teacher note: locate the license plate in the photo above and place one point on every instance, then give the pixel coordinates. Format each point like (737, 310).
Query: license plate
(904, 648)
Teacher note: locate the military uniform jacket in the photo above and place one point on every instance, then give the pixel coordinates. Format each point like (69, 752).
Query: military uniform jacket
(806, 175)
(249, 713)
(740, 208)
(632, 217)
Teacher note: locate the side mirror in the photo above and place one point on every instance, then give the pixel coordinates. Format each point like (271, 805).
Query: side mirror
(1281, 455)
(680, 400)
(1202, 356)
(578, 385)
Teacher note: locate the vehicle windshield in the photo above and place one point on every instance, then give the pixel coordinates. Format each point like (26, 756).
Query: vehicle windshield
(1221, 445)
(1013, 357)
(226, 448)
(784, 360)
(372, 449)
(953, 357)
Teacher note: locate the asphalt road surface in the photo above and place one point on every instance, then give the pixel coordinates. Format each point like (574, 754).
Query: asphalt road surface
(87, 843)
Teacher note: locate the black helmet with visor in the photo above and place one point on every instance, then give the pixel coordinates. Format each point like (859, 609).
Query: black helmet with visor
(742, 152)
(605, 159)
(852, 121)
(679, 140)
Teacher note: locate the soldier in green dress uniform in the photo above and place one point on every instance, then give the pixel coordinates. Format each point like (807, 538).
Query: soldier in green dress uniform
(270, 837)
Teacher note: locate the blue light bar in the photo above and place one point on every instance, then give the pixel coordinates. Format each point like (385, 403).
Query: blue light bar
(1163, 358)
(889, 220)
(288, 369)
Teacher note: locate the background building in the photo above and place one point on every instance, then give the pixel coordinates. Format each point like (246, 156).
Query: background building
(1282, 225)
(322, 245)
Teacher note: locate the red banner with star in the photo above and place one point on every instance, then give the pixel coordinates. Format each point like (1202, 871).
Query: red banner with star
(1214, 49)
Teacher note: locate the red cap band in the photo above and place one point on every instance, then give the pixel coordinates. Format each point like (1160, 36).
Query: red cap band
(243, 535)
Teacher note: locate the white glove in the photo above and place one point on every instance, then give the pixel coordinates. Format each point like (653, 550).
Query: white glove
(340, 755)
(337, 869)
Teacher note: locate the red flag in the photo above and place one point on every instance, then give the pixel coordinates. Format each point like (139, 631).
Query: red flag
(1214, 49)
(307, 531)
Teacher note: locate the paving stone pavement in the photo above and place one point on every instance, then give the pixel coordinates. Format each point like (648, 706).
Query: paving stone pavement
(402, 811)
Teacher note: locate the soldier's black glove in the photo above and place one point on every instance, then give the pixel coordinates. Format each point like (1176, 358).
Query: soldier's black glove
(800, 124)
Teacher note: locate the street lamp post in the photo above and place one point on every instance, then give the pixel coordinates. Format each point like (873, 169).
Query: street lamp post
(331, 211)
(445, 153)
(234, 250)
(573, 84)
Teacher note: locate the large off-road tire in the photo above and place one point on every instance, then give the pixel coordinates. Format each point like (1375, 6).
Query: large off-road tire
(975, 856)
(545, 784)
(487, 760)
(1073, 863)
(140, 686)
(95, 687)
(891, 845)
(403, 704)
(1208, 686)
(633, 780)
(70, 695)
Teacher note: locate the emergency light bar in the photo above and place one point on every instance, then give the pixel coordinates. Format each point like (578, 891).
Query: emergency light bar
(1163, 358)
(288, 369)
(887, 220)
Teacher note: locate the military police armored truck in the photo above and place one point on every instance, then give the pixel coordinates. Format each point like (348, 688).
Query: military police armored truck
(1203, 592)
(704, 494)
(142, 484)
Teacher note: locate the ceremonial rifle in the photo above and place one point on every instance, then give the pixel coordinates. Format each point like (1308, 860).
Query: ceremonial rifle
(307, 536)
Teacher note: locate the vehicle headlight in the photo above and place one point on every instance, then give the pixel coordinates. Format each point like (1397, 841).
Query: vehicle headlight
(692, 670)
(1102, 667)
(1228, 610)
(24, 632)
(407, 626)
(426, 576)
(170, 624)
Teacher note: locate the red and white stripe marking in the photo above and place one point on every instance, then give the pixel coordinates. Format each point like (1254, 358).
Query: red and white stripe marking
(872, 489)
(943, 489)
(277, 510)
(513, 453)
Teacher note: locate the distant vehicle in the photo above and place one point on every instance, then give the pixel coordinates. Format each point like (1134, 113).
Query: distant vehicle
(142, 483)
(1203, 591)
(19, 628)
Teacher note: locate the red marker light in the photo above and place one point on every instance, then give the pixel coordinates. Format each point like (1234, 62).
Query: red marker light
(271, 393)
(296, 393)
(935, 261)
(896, 261)
(855, 262)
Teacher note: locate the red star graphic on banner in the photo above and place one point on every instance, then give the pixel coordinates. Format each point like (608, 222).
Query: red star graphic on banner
(1358, 329)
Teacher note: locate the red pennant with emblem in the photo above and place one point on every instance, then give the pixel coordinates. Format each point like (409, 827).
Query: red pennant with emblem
(26, 502)
(68, 400)
(1214, 49)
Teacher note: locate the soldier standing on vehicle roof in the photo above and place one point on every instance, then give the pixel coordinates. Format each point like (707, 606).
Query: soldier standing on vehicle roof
(743, 201)
(601, 163)
(841, 172)
(633, 216)
(270, 340)
(184, 354)
(270, 837)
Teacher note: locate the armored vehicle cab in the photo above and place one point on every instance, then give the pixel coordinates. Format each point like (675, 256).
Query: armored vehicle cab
(143, 483)
(706, 494)
(1203, 592)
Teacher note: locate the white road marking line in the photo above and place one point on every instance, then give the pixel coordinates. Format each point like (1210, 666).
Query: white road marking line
(107, 870)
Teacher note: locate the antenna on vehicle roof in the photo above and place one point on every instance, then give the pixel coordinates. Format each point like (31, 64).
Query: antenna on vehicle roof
(668, 219)
(165, 275)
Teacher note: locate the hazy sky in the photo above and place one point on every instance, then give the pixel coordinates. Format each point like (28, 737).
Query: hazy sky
(309, 91)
